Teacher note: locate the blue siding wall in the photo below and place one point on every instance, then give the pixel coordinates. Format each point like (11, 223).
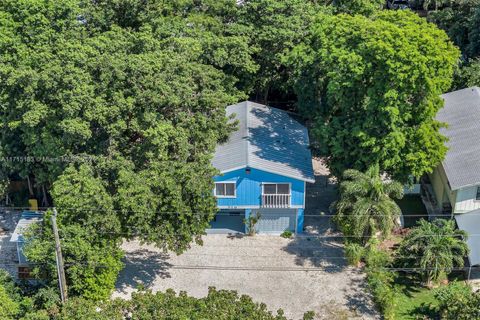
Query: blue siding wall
(249, 187)
(300, 220)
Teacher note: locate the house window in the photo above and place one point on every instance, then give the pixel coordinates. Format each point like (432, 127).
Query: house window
(477, 197)
(225, 189)
(24, 273)
(276, 188)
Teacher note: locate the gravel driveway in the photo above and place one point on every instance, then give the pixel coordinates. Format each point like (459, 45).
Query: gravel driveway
(296, 275)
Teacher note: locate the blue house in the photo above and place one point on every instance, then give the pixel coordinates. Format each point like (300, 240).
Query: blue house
(264, 167)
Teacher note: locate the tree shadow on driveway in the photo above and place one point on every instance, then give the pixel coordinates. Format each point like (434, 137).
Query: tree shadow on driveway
(317, 252)
(360, 300)
(142, 267)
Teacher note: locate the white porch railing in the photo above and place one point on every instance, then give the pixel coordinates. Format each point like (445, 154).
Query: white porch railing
(275, 200)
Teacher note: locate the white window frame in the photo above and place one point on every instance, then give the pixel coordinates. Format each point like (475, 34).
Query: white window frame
(477, 191)
(276, 188)
(226, 182)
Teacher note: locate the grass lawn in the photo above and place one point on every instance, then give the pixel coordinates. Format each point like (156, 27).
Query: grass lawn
(415, 303)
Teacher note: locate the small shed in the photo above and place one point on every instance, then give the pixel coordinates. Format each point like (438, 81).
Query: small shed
(26, 219)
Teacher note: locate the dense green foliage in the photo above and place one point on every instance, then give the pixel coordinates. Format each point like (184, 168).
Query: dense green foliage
(433, 249)
(110, 86)
(468, 75)
(458, 302)
(380, 283)
(373, 87)
(114, 108)
(9, 306)
(461, 20)
(363, 7)
(380, 280)
(366, 204)
(92, 263)
(276, 27)
(218, 304)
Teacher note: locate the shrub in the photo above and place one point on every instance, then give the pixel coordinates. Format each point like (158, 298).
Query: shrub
(287, 234)
(457, 302)
(380, 283)
(251, 221)
(354, 253)
(12, 304)
(380, 280)
(434, 249)
(9, 308)
(376, 258)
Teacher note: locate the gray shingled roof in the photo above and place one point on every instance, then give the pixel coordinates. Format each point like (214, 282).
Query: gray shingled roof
(462, 114)
(267, 139)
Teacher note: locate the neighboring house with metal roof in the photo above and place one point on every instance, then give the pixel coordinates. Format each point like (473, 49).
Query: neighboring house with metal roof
(456, 181)
(264, 165)
(27, 219)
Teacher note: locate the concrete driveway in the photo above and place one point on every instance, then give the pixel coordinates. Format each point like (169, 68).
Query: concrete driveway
(296, 275)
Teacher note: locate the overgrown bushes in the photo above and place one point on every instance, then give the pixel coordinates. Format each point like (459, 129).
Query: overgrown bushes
(380, 280)
(354, 253)
(92, 262)
(145, 305)
(381, 285)
(458, 302)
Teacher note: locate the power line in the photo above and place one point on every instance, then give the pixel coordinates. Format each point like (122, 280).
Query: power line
(218, 213)
(166, 265)
(304, 236)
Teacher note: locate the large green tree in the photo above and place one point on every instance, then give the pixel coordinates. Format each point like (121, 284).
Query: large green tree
(276, 27)
(372, 86)
(460, 19)
(364, 7)
(145, 305)
(125, 99)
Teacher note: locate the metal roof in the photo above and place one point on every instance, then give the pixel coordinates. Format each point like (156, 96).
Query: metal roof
(267, 139)
(469, 223)
(26, 219)
(462, 114)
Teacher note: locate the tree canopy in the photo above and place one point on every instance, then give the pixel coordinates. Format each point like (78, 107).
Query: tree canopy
(461, 20)
(106, 93)
(372, 86)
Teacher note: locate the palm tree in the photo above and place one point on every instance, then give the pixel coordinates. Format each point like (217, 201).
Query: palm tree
(366, 204)
(435, 248)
